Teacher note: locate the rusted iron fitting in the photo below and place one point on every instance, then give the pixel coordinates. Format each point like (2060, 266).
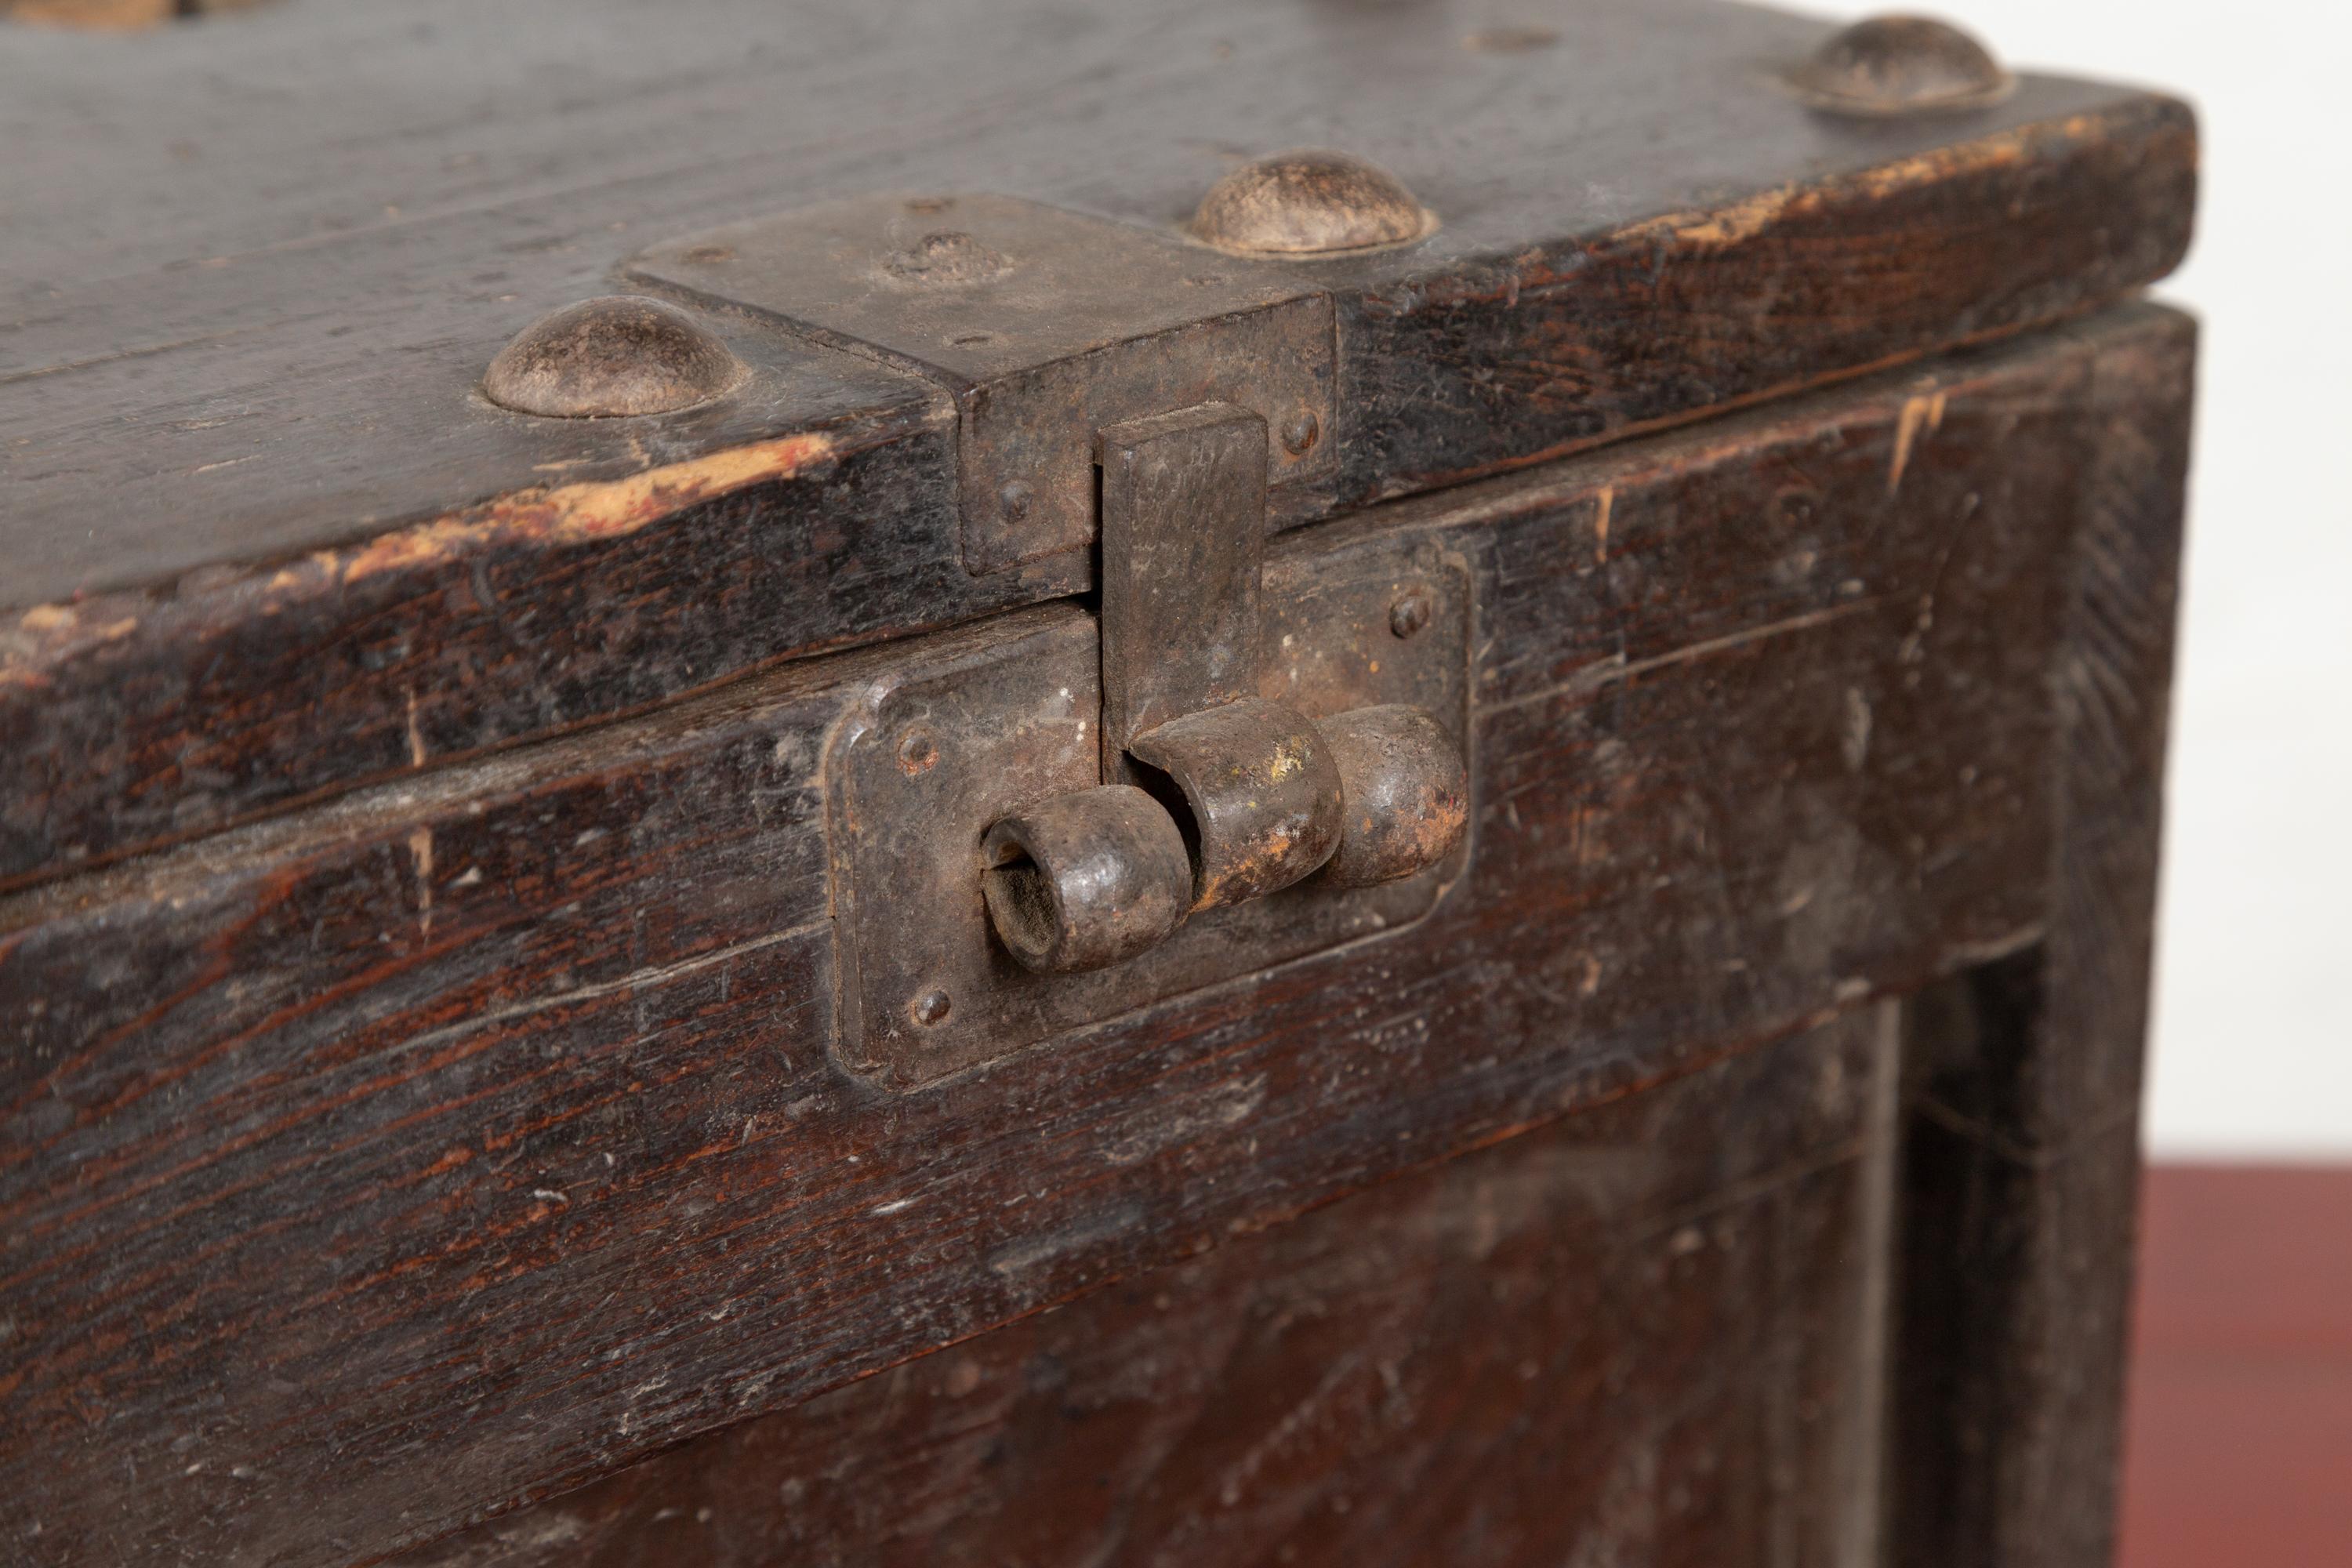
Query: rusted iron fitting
(1404, 791)
(1245, 800)
(1245, 796)
(1084, 880)
(1256, 791)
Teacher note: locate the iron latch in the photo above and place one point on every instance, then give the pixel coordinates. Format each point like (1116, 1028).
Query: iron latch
(1211, 794)
(1246, 756)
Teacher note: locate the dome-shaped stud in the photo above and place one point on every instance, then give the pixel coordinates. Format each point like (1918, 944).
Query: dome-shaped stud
(1901, 64)
(608, 357)
(1309, 203)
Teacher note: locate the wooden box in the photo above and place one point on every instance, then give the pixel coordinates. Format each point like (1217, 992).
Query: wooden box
(1082, 841)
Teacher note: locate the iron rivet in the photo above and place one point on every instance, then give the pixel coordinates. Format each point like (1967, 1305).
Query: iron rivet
(930, 1007)
(1410, 613)
(918, 752)
(1900, 65)
(1013, 501)
(1299, 433)
(947, 259)
(1309, 203)
(608, 358)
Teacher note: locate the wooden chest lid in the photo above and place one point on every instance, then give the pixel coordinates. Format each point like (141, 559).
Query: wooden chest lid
(266, 539)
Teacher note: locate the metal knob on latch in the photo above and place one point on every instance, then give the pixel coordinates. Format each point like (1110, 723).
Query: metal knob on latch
(1404, 795)
(1212, 794)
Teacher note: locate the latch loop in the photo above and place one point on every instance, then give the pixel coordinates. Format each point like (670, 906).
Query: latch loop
(1086, 880)
(1256, 789)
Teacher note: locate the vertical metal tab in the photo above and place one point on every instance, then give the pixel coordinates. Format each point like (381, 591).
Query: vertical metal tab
(1183, 554)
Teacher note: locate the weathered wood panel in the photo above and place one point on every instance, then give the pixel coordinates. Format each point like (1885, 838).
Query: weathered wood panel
(275, 367)
(2022, 1165)
(145, 718)
(1647, 1333)
(334, 1213)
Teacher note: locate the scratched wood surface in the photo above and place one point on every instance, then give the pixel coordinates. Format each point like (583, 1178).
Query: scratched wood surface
(1653, 1332)
(266, 543)
(2023, 1150)
(372, 1170)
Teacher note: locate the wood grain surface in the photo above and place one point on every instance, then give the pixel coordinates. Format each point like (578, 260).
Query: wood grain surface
(374, 1169)
(1652, 1333)
(2021, 1158)
(266, 541)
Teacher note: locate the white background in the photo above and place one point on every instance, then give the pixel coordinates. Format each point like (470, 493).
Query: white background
(2254, 1029)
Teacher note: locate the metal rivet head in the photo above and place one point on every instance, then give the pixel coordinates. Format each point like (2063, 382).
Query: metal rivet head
(1900, 65)
(1299, 433)
(918, 752)
(610, 357)
(1408, 614)
(931, 1007)
(948, 258)
(1014, 500)
(1309, 203)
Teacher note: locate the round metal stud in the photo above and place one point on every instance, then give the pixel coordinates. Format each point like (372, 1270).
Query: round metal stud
(1901, 64)
(1259, 792)
(1086, 880)
(1410, 613)
(609, 357)
(1405, 791)
(1309, 203)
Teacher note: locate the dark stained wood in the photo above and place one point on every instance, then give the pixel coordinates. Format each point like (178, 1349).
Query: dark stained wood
(2021, 1155)
(1647, 1333)
(213, 420)
(527, 615)
(371, 1169)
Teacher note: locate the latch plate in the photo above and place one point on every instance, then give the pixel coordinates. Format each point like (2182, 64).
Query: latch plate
(1008, 717)
(1045, 326)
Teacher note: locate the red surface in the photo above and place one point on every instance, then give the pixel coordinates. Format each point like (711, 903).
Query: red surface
(2239, 1448)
